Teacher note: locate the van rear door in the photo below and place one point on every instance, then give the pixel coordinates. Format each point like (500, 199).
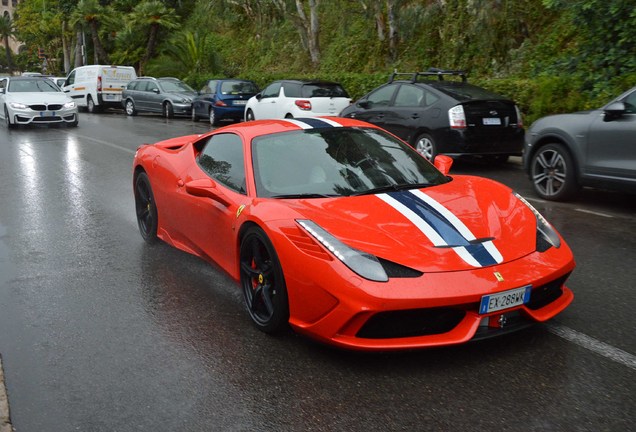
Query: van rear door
(113, 80)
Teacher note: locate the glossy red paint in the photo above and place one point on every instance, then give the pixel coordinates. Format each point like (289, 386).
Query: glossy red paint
(328, 301)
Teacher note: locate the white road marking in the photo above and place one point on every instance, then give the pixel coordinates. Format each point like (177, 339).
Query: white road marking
(593, 212)
(584, 341)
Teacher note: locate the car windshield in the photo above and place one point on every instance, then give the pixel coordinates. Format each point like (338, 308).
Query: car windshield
(465, 92)
(175, 86)
(238, 87)
(337, 162)
(32, 86)
(323, 90)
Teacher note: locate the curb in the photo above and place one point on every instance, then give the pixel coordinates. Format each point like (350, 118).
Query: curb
(5, 419)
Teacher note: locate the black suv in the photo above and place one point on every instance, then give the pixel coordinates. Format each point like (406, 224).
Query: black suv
(436, 116)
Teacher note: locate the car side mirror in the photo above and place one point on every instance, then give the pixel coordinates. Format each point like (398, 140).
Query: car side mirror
(155, 90)
(614, 111)
(258, 96)
(364, 104)
(443, 163)
(206, 188)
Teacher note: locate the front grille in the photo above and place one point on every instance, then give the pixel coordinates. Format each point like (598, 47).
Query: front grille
(42, 107)
(46, 119)
(546, 294)
(411, 323)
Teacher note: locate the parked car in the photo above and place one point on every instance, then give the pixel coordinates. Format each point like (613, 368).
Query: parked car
(168, 96)
(439, 116)
(294, 98)
(342, 231)
(589, 148)
(35, 100)
(223, 99)
(98, 86)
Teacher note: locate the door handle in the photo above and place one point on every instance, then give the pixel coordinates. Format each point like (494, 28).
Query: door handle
(415, 116)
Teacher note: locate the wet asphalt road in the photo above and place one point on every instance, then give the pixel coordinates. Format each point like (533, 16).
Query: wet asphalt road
(100, 332)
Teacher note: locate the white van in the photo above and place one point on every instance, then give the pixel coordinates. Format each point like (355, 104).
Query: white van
(98, 86)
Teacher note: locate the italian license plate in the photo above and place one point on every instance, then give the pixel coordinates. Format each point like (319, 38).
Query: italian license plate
(240, 102)
(47, 113)
(505, 300)
(112, 97)
(492, 121)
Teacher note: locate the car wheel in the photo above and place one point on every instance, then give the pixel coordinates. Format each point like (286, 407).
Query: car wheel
(263, 282)
(130, 108)
(168, 111)
(90, 105)
(146, 208)
(425, 146)
(194, 116)
(249, 115)
(213, 120)
(552, 173)
(74, 123)
(7, 119)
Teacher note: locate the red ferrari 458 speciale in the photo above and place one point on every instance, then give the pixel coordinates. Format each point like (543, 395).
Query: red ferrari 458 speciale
(346, 233)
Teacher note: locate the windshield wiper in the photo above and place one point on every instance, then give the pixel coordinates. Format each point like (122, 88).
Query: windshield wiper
(302, 195)
(393, 188)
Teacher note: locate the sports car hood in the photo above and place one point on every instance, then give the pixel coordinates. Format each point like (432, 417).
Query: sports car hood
(33, 98)
(465, 224)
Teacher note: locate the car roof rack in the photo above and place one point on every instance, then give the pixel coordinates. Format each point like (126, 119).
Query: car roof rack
(431, 72)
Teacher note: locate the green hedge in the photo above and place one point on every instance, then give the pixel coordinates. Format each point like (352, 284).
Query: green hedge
(536, 97)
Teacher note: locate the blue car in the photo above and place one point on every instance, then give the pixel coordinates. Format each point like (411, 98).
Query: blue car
(223, 99)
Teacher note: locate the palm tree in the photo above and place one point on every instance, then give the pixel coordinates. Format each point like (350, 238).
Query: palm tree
(93, 14)
(149, 17)
(6, 31)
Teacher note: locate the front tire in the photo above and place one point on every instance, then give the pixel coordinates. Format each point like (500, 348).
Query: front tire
(425, 145)
(249, 115)
(146, 208)
(263, 282)
(168, 110)
(130, 108)
(553, 174)
(7, 119)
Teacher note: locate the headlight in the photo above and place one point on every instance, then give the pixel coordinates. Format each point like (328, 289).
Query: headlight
(544, 229)
(361, 263)
(69, 105)
(16, 105)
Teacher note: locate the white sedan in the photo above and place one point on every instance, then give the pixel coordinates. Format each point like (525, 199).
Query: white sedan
(35, 100)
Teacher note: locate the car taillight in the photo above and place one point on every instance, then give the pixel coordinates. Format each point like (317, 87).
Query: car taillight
(304, 105)
(456, 117)
(220, 103)
(99, 83)
(519, 117)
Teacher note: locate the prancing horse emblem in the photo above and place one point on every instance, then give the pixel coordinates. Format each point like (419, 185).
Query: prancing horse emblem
(499, 277)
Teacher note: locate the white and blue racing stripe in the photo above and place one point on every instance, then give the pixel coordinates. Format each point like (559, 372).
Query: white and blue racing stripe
(313, 122)
(442, 227)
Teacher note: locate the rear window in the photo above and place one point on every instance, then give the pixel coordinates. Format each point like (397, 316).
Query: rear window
(238, 87)
(465, 92)
(323, 90)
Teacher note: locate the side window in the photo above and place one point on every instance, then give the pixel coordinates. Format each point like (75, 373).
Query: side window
(409, 96)
(210, 88)
(132, 85)
(3, 84)
(71, 79)
(292, 90)
(382, 96)
(151, 86)
(222, 159)
(272, 90)
(630, 103)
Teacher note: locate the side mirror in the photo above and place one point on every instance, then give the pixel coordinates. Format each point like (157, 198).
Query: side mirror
(258, 96)
(364, 104)
(155, 90)
(206, 188)
(443, 163)
(614, 111)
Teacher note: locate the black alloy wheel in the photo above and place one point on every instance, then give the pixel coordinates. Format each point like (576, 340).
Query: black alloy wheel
(263, 283)
(552, 173)
(146, 208)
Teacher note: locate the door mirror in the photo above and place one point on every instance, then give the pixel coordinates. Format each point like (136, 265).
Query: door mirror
(258, 96)
(206, 188)
(364, 104)
(614, 111)
(443, 163)
(155, 90)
